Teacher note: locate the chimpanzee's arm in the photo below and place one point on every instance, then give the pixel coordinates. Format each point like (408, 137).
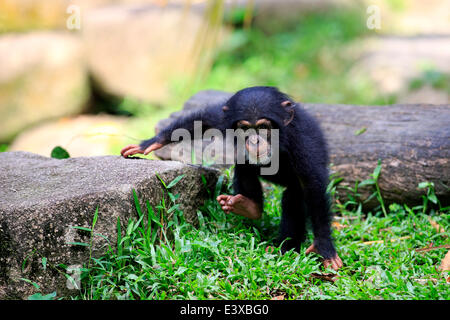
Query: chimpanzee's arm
(246, 182)
(247, 200)
(210, 117)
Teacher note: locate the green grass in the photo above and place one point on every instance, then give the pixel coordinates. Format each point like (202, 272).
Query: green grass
(227, 256)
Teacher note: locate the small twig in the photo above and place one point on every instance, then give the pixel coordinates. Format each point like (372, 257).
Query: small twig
(425, 281)
(446, 246)
(382, 241)
(338, 226)
(346, 217)
(331, 277)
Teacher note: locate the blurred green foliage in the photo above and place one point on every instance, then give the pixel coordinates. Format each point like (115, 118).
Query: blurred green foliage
(396, 5)
(132, 106)
(433, 78)
(308, 60)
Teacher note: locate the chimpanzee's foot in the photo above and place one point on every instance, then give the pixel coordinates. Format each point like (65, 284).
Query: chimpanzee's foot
(240, 205)
(134, 149)
(335, 261)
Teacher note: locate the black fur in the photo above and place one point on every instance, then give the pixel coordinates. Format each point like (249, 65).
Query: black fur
(303, 161)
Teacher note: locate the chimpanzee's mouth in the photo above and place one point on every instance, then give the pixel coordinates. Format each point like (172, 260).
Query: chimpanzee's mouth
(265, 158)
(260, 159)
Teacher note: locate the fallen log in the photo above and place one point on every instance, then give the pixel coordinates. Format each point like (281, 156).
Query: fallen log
(412, 141)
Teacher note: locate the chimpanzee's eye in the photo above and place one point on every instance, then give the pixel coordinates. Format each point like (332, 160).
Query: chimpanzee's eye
(244, 125)
(265, 125)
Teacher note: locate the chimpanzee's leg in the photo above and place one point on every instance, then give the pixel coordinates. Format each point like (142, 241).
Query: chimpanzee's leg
(292, 227)
(318, 206)
(248, 198)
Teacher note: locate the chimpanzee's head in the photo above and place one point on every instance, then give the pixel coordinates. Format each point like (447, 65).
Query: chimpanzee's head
(257, 111)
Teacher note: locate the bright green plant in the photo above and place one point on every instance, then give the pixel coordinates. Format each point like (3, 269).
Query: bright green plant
(374, 182)
(39, 296)
(430, 195)
(59, 153)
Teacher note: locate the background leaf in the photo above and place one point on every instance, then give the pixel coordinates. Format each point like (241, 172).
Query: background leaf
(59, 153)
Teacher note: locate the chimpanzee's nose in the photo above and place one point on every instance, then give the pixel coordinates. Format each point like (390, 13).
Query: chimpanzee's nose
(253, 140)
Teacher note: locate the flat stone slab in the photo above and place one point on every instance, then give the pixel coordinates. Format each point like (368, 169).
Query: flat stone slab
(41, 198)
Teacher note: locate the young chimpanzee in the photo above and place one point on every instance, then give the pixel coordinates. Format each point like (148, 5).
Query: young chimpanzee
(303, 161)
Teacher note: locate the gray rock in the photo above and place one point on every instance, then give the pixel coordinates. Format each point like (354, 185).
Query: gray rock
(414, 17)
(135, 50)
(82, 136)
(41, 198)
(425, 94)
(391, 62)
(42, 76)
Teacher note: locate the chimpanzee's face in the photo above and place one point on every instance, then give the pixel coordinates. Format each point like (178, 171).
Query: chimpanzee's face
(259, 112)
(256, 135)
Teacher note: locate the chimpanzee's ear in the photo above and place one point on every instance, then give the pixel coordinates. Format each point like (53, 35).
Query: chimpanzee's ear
(289, 107)
(225, 108)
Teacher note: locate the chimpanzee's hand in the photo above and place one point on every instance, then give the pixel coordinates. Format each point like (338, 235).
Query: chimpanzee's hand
(134, 149)
(335, 261)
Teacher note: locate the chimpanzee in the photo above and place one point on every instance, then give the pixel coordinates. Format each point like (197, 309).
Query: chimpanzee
(303, 163)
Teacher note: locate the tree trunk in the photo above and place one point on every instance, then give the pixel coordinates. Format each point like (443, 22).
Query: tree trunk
(411, 141)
